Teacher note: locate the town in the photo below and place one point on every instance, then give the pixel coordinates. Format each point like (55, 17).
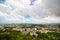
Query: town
(29, 32)
(31, 28)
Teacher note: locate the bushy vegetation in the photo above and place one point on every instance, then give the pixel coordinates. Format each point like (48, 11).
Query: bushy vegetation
(9, 34)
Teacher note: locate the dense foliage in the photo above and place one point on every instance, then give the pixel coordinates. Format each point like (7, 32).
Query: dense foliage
(9, 34)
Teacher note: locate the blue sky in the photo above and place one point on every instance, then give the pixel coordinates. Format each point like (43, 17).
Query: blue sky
(32, 2)
(29, 11)
(27, 16)
(2, 1)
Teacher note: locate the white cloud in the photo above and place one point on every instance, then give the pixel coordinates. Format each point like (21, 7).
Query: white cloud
(18, 9)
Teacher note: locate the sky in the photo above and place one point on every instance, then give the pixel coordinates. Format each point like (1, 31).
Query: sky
(29, 11)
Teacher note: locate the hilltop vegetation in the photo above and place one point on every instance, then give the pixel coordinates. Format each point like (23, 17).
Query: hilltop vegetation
(9, 34)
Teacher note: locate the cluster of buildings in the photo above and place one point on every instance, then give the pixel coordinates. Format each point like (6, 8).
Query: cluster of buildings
(26, 28)
(35, 29)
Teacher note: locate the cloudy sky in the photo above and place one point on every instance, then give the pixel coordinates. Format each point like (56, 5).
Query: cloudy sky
(29, 11)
